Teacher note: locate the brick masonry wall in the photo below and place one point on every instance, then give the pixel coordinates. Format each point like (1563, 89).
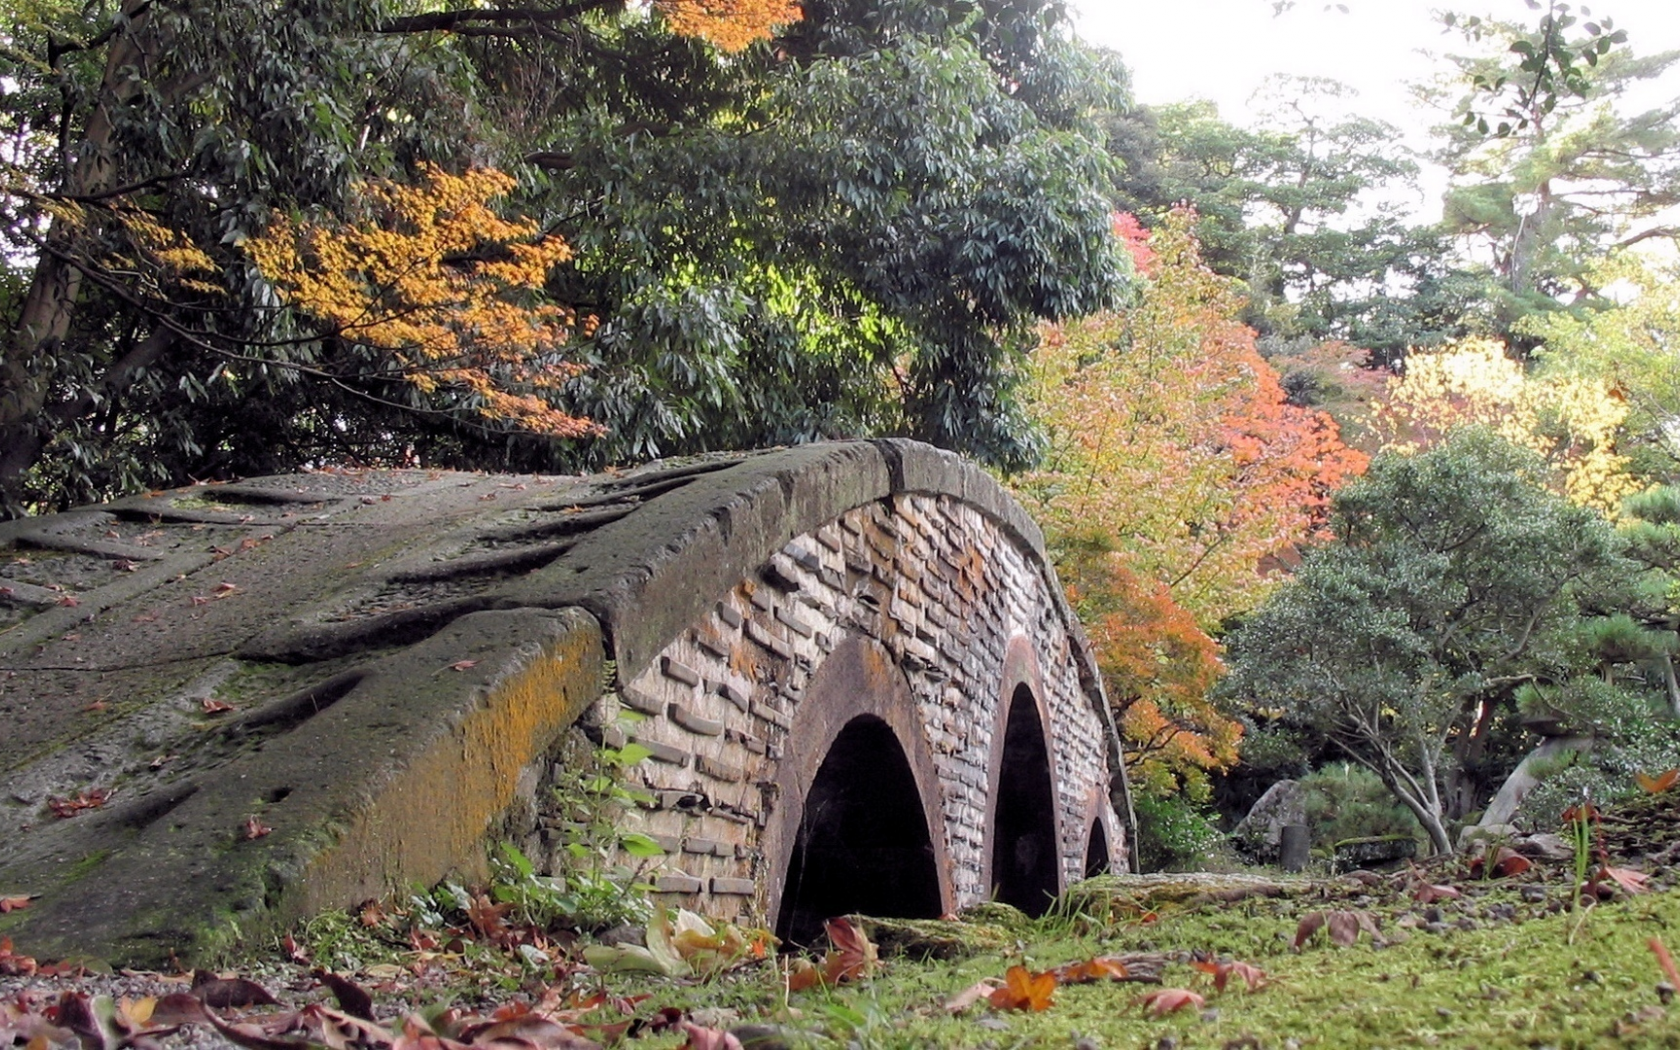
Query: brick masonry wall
(945, 591)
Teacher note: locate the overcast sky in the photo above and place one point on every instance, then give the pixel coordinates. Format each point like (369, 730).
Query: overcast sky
(1224, 49)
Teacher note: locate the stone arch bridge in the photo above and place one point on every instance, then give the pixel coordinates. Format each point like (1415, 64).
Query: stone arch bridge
(228, 706)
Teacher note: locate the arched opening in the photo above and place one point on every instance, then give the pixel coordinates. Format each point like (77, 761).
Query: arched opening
(1096, 853)
(863, 842)
(1024, 832)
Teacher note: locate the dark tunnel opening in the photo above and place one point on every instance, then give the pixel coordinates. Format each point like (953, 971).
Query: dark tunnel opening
(1096, 854)
(863, 843)
(1024, 858)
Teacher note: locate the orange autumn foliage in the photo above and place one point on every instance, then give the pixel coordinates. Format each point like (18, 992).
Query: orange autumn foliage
(730, 24)
(1169, 430)
(1177, 472)
(445, 294)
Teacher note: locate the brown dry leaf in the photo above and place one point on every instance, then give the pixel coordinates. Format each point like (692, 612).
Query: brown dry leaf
(1429, 893)
(352, 998)
(256, 829)
(16, 903)
(90, 798)
(1100, 968)
(1628, 879)
(225, 993)
(1507, 861)
(1024, 991)
(463, 665)
(212, 706)
(981, 989)
(1166, 1000)
(1344, 927)
(1665, 960)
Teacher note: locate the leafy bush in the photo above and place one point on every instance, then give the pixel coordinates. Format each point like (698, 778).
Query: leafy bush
(1346, 801)
(1174, 834)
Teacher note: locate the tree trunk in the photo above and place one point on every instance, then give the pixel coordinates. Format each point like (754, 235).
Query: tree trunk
(49, 305)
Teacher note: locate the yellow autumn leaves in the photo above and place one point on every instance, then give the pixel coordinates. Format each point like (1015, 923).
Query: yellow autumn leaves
(442, 287)
(1571, 420)
(729, 24)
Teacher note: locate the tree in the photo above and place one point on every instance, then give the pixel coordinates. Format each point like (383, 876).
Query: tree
(1572, 420)
(1455, 579)
(1568, 174)
(848, 233)
(1293, 207)
(1630, 347)
(1168, 428)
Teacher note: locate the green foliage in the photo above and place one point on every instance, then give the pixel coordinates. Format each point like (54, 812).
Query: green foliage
(1174, 833)
(848, 236)
(591, 889)
(1345, 801)
(1455, 578)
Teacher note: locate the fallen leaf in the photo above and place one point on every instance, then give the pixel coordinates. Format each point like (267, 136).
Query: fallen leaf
(1165, 1000)
(1628, 879)
(255, 829)
(1658, 784)
(1344, 927)
(963, 1000)
(17, 902)
(851, 956)
(463, 665)
(1427, 893)
(212, 706)
(12, 964)
(1506, 862)
(1101, 968)
(222, 993)
(1665, 960)
(1222, 972)
(1024, 991)
(352, 998)
(705, 1038)
(90, 798)
(70, 600)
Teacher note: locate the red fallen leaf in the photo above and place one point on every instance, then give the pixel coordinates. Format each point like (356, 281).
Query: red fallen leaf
(225, 588)
(851, 955)
(1427, 893)
(256, 829)
(463, 665)
(17, 902)
(201, 599)
(1658, 784)
(1024, 991)
(212, 706)
(223, 993)
(486, 917)
(12, 964)
(70, 600)
(1222, 972)
(1164, 1001)
(90, 798)
(1100, 968)
(704, 1038)
(1506, 862)
(801, 974)
(97, 705)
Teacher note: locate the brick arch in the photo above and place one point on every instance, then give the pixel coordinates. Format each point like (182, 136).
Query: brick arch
(857, 680)
(405, 652)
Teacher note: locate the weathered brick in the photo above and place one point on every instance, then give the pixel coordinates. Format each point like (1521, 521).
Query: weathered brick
(733, 887)
(695, 722)
(729, 614)
(794, 621)
(696, 844)
(719, 769)
(637, 700)
(769, 714)
(678, 671)
(677, 882)
(663, 752)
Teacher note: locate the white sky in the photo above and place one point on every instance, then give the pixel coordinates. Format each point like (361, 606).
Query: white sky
(1223, 49)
